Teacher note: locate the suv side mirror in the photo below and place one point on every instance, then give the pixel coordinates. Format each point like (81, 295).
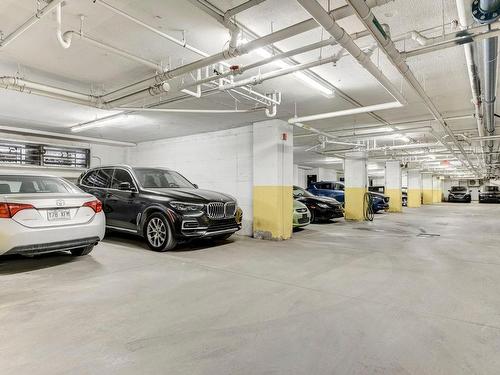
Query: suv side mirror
(195, 186)
(125, 186)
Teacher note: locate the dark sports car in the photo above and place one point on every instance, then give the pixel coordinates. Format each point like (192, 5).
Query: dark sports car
(459, 194)
(321, 208)
(490, 194)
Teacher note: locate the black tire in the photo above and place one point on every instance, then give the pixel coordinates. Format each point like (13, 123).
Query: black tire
(313, 217)
(82, 251)
(155, 225)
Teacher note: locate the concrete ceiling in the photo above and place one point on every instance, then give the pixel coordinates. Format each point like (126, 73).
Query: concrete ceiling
(37, 56)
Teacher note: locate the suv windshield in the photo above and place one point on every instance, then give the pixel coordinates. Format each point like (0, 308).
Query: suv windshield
(161, 178)
(299, 192)
(35, 185)
(491, 188)
(458, 188)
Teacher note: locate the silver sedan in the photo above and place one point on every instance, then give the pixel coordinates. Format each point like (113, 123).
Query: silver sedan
(41, 214)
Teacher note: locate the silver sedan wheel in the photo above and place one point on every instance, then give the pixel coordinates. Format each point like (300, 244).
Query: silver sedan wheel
(156, 232)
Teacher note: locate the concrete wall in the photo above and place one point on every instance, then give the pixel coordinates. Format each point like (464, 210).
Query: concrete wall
(300, 175)
(220, 161)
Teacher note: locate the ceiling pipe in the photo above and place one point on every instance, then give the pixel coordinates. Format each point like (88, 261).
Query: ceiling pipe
(421, 129)
(181, 43)
(342, 37)
(29, 87)
(392, 124)
(260, 42)
(367, 18)
(29, 23)
(346, 112)
(259, 78)
(42, 133)
(241, 8)
(322, 133)
(465, 20)
(454, 39)
(487, 12)
(188, 110)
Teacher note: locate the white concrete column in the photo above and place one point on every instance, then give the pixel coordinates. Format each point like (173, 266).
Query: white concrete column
(393, 185)
(436, 189)
(272, 180)
(427, 188)
(414, 188)
(356, 184)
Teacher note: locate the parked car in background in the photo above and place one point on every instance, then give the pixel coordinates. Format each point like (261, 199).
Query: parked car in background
(161, 205)
(329, 189)
(336, 190)
(321, 208)
(459, 194)
(380, 202)
(42, 214)
(381, 190)
(489, 194)
(404, 196)
(301, 215)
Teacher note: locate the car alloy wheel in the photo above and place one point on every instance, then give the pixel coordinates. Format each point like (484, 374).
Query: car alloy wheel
(158, 233)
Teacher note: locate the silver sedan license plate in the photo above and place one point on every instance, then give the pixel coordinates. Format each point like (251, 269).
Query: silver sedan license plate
(61, 214)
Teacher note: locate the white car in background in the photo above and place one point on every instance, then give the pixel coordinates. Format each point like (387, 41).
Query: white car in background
(42, 214)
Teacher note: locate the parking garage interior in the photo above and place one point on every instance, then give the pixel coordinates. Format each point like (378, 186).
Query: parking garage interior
(249, 187)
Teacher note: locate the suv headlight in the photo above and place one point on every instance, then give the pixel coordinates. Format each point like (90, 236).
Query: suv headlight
(323, 205)
(187, 207)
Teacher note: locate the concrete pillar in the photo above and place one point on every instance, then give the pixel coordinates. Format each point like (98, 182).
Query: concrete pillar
(414, 188)
(393, 185)
(427, 190)
(436, 189)
(272, 180)
(356, 184)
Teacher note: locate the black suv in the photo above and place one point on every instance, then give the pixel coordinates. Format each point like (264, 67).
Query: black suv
(160, 205)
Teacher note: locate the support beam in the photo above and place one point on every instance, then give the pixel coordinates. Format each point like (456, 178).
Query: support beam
(414, 188)
(272, 180)
(393, 185)
(356, 184)
(427, 188)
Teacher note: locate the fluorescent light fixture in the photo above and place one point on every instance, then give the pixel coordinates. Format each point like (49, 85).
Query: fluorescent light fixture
(299, 75)
(333, 160)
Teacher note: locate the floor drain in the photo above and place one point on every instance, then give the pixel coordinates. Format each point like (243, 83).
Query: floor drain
(423, 233)
(428, 235)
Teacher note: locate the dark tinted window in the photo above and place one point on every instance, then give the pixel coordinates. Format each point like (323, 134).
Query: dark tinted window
(160, 178)
(100, 178)
(458, 188)
(35, 185)
(298, 192)
(121, 176)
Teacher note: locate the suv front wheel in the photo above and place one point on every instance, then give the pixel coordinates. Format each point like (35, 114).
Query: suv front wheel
(158, 233)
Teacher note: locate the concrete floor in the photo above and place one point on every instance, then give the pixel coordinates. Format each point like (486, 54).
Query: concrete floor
(412, 293)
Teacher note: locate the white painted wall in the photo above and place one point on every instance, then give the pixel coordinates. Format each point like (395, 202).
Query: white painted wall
(220, 161)
(300, 175)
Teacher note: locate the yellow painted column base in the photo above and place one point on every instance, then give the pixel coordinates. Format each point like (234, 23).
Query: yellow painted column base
(354, 202)
(395, 199)
(436, 196)
(414, 198)
(428, 196)
(272, 212)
